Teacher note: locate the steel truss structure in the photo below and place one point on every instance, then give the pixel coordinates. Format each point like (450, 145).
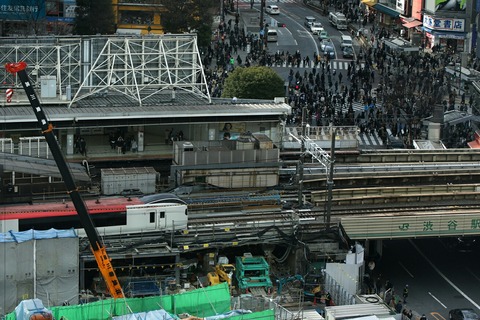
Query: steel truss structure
(137, 67)
(46, 56)
(142, 67)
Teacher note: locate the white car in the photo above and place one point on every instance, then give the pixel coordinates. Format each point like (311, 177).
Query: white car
(326, 43)
(316, 27)
(272, 9)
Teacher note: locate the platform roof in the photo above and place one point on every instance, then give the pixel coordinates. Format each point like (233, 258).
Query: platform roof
(184, 107)
(40, 166)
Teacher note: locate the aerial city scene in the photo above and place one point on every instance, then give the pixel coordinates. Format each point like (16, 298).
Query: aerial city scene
(239, 159)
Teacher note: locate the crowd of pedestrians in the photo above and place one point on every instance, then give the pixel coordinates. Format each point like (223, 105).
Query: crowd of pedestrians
(383, 91)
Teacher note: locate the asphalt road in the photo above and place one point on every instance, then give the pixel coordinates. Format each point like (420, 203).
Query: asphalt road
(439, 278)
(296, 36)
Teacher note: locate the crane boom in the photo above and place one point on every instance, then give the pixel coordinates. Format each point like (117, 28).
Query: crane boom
(98, 248)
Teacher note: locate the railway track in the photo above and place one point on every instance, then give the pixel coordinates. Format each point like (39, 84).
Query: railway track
(382, 195)
(223, 219)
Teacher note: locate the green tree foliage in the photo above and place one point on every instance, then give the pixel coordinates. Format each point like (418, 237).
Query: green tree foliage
(253, 83)
(188, 16)
(94, 17)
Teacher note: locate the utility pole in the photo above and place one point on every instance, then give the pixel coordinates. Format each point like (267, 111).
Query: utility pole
(328, 212)
(301, 160)
(262, 26)
(262, 8)
(222, 9)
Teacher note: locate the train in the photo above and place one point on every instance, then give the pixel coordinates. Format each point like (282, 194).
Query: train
(111, 215)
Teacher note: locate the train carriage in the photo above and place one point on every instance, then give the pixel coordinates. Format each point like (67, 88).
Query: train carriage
(111, 215)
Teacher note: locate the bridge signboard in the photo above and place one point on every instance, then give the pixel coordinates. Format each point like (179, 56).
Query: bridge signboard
(411, 226)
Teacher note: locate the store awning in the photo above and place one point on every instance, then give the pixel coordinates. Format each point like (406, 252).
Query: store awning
(445, 34)
(412, 24)
(386, 10)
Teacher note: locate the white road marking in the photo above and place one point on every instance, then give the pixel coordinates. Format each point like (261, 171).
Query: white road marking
(444, 277)
(473, 274)
(436, 299)
(406, 270)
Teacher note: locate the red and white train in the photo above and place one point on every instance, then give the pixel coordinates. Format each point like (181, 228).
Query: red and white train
(111, 215)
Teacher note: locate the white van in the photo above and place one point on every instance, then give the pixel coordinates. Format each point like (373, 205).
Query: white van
(346, 41)
(309, 20)
(272, 35)
(338, 20)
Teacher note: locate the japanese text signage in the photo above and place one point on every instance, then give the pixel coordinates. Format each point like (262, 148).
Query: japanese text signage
(412, 226)
(447, 24)
(450, 225)
(22, 10)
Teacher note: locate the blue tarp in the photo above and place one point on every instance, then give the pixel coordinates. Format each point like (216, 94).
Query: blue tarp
(151, 315)
(163, 315)
(23, 236)
(6, 237)
(26, 308)
(229, 314)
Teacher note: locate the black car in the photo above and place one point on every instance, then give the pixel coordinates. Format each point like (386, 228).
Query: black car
(329, 51)
(347, 52)
(463, 314)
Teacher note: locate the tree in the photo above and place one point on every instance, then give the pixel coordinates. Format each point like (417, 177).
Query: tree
(188, 16)
(94, 17)
(253, 83)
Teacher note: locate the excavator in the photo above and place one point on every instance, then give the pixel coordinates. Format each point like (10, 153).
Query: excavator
(97, 246)
(223, 273)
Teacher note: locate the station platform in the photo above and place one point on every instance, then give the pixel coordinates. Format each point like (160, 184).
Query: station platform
(156, 150)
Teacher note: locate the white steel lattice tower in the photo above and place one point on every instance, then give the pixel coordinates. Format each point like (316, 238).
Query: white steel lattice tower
(136, 67)
(142, 67)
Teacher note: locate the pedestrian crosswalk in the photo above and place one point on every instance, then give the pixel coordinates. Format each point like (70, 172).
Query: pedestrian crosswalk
(370, 140)
(321, 137)
(334, 65)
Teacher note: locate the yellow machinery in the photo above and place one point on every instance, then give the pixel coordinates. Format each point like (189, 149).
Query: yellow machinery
(223, 273)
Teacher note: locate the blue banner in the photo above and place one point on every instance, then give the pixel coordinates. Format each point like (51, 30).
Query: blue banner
(32, 10)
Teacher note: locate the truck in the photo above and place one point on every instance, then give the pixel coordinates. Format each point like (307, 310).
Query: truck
(96, 244)
(338, 20)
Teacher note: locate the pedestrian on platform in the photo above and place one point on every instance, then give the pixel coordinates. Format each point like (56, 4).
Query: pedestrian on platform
(120, 144)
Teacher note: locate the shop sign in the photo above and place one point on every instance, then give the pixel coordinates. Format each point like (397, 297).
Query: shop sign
(401, 6)
(448, 24)
(22, 10)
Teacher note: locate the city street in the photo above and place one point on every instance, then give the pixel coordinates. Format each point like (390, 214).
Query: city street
(439, 277)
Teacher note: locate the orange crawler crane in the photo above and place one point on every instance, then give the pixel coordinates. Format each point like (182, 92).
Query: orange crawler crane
(98, 249)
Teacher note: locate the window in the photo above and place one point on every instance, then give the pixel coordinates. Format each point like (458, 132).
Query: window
(136, 17)
(162, 215)
(152, 217)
